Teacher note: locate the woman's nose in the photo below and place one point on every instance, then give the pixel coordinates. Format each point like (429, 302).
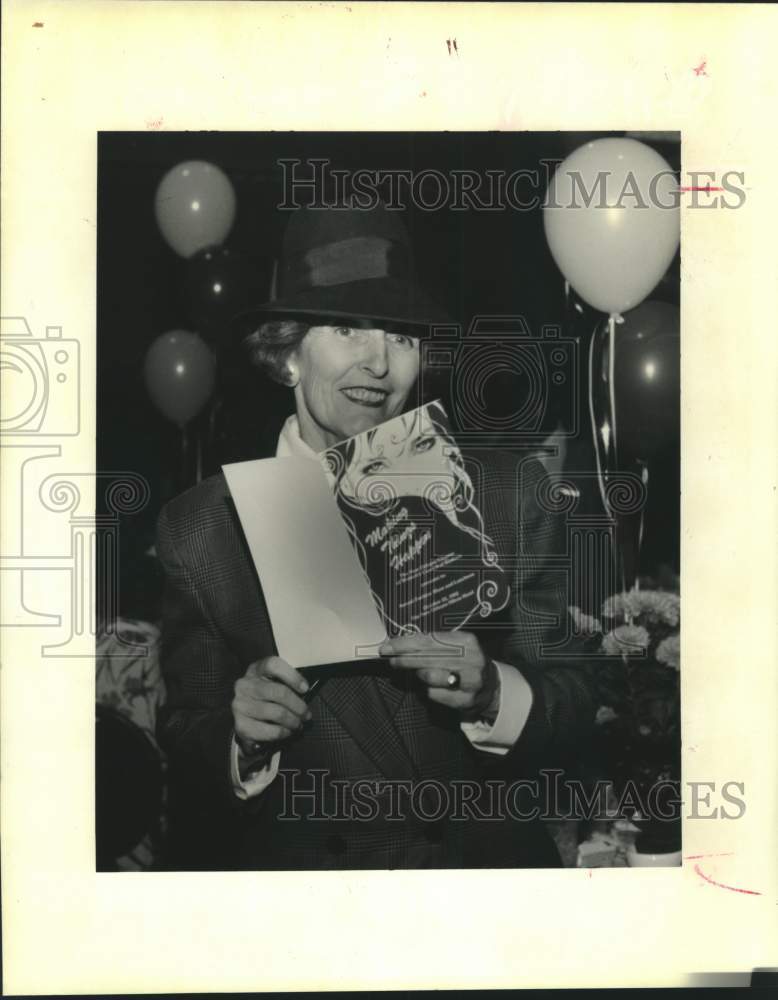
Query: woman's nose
(376, 356)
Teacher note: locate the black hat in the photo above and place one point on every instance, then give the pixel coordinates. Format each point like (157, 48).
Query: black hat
(346, 263)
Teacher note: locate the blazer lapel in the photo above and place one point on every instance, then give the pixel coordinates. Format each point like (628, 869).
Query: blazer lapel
(365, 707)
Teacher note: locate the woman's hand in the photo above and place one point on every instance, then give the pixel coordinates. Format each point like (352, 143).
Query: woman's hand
(452, 665)
(268, 705)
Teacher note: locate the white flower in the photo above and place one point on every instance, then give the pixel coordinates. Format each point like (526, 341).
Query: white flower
(669, 651)
(662, 606)
(613, 606)
(653, 605)
(604, 714)
(585, 624)
(625, 639)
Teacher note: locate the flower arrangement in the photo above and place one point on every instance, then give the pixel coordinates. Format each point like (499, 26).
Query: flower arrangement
(638, 733)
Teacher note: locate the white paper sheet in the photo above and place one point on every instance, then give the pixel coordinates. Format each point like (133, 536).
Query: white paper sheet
(320, 604)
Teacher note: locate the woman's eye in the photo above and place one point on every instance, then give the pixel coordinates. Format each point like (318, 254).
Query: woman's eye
(403, 341)
(423, 444)
(373, 467)
(343, 331)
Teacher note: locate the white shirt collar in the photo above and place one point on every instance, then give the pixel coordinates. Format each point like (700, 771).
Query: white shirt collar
(291, 444)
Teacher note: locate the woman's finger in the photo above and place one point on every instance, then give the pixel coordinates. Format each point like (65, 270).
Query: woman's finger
(453, 644)
(438, 677)
(424, 660)
(252, 697)
(251, 730)
(445, 665)
(269, 711)
(279, 693)
(280, 670)
(451, 699)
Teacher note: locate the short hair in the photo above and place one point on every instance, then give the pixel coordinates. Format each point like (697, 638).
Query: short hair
(270, 345)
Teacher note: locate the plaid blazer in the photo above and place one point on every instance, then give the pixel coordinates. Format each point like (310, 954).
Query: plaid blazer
(370, 730)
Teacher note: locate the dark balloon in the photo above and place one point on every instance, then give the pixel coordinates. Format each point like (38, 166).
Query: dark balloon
(669, 288)
(218, 284)
(179, 372)
(647, 381)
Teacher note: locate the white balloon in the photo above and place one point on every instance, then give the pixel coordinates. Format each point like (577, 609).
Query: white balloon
(194, 206)
(612, 221)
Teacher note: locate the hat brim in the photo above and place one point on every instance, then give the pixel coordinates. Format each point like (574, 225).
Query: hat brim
(390, 301)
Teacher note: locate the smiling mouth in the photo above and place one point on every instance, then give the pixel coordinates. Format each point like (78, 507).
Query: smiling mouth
(364, 396)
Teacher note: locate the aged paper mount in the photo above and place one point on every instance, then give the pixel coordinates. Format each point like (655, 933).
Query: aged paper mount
(73, 70)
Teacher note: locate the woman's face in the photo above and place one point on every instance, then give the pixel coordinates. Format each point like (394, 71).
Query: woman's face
(351, 379)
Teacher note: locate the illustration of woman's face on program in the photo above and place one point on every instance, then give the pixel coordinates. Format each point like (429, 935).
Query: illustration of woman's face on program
(406, 454)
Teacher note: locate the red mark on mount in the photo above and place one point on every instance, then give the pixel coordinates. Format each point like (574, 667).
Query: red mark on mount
(721, 885)
(700, 70)
(710, 881)
(707, 189)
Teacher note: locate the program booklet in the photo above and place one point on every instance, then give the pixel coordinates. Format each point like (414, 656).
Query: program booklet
(381, 537)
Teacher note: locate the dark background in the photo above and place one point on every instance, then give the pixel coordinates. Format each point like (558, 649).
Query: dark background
(472, 262)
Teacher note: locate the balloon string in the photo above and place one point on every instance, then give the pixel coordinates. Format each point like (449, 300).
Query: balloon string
(600, 474)
(612, 320)
(641, 525)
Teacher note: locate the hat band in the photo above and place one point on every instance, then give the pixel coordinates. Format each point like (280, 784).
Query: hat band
(354, 259)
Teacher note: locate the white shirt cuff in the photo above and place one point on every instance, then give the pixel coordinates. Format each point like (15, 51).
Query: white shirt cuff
(257, 781)
(514, 706)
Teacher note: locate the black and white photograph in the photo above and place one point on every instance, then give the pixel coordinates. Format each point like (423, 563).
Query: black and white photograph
(378, 382)
(471, 659)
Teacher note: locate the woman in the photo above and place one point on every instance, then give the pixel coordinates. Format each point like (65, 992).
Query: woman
(368, 771)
